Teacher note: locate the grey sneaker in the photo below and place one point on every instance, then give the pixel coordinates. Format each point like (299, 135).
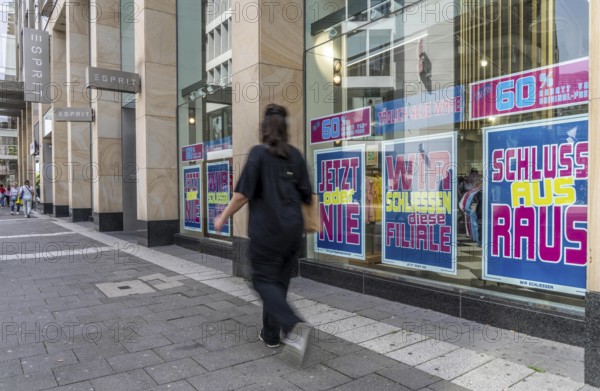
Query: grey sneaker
(296, 342)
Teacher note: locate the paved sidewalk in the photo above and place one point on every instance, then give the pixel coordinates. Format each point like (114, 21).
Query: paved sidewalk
(83, 310)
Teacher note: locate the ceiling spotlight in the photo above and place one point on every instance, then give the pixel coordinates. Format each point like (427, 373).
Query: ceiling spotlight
(492, 119)
(484, 62)
(337, 80)
(192, 120)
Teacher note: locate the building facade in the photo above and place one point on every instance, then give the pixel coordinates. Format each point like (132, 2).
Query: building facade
(449, 142)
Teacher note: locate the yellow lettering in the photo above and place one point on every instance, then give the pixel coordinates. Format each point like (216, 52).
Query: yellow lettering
(564, 189)
(547, 199)
(521, 190)
(447, 203)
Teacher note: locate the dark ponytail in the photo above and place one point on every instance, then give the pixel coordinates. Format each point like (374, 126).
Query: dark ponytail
(274, 130)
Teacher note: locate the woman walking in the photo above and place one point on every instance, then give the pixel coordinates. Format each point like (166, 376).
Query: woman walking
(27, 198)
(275, 182)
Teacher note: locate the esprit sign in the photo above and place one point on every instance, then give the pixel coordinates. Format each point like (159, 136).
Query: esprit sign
(36, 65)
(71, 114)
(111, 80)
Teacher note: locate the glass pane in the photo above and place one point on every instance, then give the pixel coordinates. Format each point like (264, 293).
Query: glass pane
(434, 102)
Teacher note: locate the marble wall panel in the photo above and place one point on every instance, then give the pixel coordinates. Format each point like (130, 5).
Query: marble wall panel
(245, 38)
(104, 48)
(108, 194)
(159, 93)
(160, 44)
(105, 13)
(80, 194)
(79, 136)
(282, 35)
(166, 6)
(108, 119)
(108, 156)
(157, 194)
(160, 145)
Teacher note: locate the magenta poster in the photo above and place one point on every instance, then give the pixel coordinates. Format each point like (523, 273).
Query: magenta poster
(419, 197)
(341, 126)
(218, 194)
(340, 177)
(192, 152)
(535, 204)
(192, 201)
(564, 84)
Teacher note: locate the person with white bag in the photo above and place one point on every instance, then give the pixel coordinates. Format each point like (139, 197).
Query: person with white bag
(27, 198)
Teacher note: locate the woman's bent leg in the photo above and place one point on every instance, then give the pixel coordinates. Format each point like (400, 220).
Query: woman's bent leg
(266, 280)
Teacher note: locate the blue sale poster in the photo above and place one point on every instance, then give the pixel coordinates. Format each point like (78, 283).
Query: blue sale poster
(419, 200)
(192, 203)
(218, 194)
(438, 108)
(340, 178)
(535, 204)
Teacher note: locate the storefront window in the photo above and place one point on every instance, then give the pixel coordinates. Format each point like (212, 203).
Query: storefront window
(204, 115)
(448, 141)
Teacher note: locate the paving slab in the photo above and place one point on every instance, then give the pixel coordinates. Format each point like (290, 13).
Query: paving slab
(494, 376)
(318, 377)
(359, 364)
(219, 359)
(368, 332)
(409, 377)
(548, 382)
(131, 361)
(175, 370)
(48, 361)
(222, 380)
(181, 385)
(32, 382)
(83, 371)
(372, 382)
(393, 341)
(131, 381)
(454, 364)
(422, 352)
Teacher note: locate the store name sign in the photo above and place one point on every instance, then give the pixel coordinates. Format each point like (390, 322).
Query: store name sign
(341, 126)
(70, 114)
(111, 80)
(192, 152)
(36, 65)
(550, 87)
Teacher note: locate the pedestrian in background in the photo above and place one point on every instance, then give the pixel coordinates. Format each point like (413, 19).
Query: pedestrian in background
(27, 198)
(2, 195)
(274, 182)
(14, 195)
